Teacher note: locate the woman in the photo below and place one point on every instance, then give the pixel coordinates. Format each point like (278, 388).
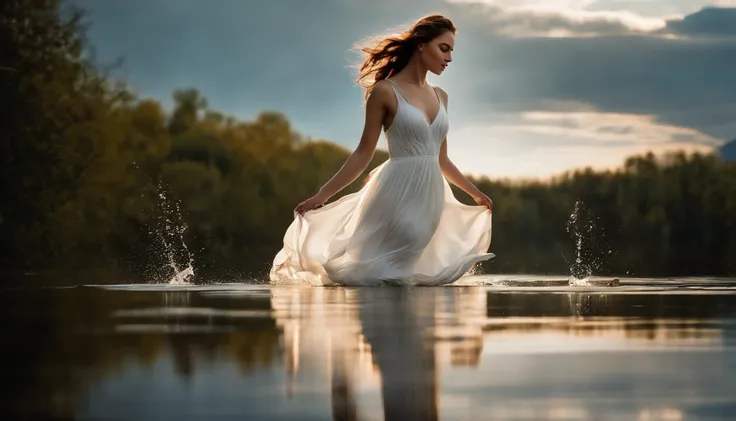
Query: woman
(404, 226)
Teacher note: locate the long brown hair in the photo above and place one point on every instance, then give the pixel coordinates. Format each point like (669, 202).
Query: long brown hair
(389, 55)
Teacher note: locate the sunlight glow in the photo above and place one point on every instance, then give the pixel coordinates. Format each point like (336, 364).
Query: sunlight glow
(542, 144)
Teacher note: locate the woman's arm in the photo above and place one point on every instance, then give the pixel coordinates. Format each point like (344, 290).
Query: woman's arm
(453, 174)
(359, 159)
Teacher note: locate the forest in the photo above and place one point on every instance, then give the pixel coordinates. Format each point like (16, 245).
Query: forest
(93, 176)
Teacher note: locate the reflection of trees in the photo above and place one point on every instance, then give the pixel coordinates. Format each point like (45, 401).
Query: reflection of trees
(666, 318)
(57, 343)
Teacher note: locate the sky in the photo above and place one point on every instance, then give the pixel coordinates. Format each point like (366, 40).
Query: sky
(536, 87)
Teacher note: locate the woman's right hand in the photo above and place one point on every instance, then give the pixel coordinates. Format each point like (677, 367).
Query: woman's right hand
(314, 202)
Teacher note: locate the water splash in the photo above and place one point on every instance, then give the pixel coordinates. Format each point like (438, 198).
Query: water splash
(168, 229)
(580, 226)
(171, 234)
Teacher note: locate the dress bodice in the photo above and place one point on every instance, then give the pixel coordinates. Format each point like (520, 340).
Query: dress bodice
(411, 133)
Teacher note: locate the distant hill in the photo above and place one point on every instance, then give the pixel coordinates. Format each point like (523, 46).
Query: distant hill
(728, 151)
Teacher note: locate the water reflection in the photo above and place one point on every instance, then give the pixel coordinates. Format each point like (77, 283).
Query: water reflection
(397, 342)
(376, 337)
(367, 354)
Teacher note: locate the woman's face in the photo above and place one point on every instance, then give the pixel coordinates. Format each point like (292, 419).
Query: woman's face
(437, 54)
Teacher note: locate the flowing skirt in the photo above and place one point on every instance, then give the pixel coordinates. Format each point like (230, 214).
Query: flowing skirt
(403, 227)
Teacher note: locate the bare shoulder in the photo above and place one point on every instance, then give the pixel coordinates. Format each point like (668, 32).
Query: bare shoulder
(382, 90)
(382, 96)
(443, 94)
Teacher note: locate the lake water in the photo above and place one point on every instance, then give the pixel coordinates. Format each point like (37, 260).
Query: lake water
(522, 348)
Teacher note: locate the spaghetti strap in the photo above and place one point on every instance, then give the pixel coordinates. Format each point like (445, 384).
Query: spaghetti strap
(442, 104)
(397, 91)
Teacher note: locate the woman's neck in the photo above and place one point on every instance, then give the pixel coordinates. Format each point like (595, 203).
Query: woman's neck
(414, 72)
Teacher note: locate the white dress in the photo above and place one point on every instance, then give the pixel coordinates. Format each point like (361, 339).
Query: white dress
(403, 227)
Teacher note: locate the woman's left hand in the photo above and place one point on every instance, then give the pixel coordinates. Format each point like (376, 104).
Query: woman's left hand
(484, 200)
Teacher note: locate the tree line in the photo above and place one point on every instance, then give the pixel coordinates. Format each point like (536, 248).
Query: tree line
(94, 176)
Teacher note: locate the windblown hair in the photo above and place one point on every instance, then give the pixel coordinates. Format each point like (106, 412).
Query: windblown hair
(389, 55)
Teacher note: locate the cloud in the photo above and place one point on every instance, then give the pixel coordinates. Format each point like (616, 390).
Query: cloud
(604, 129)
(681, 82)
(550, 20)
(711, 21)
(543, 105)
(588, 18)
(541, 143)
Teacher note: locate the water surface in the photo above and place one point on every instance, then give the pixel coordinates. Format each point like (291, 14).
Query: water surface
(647, 349)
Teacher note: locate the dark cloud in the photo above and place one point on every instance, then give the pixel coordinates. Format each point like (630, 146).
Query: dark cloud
(728, 151)
(709, 21)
